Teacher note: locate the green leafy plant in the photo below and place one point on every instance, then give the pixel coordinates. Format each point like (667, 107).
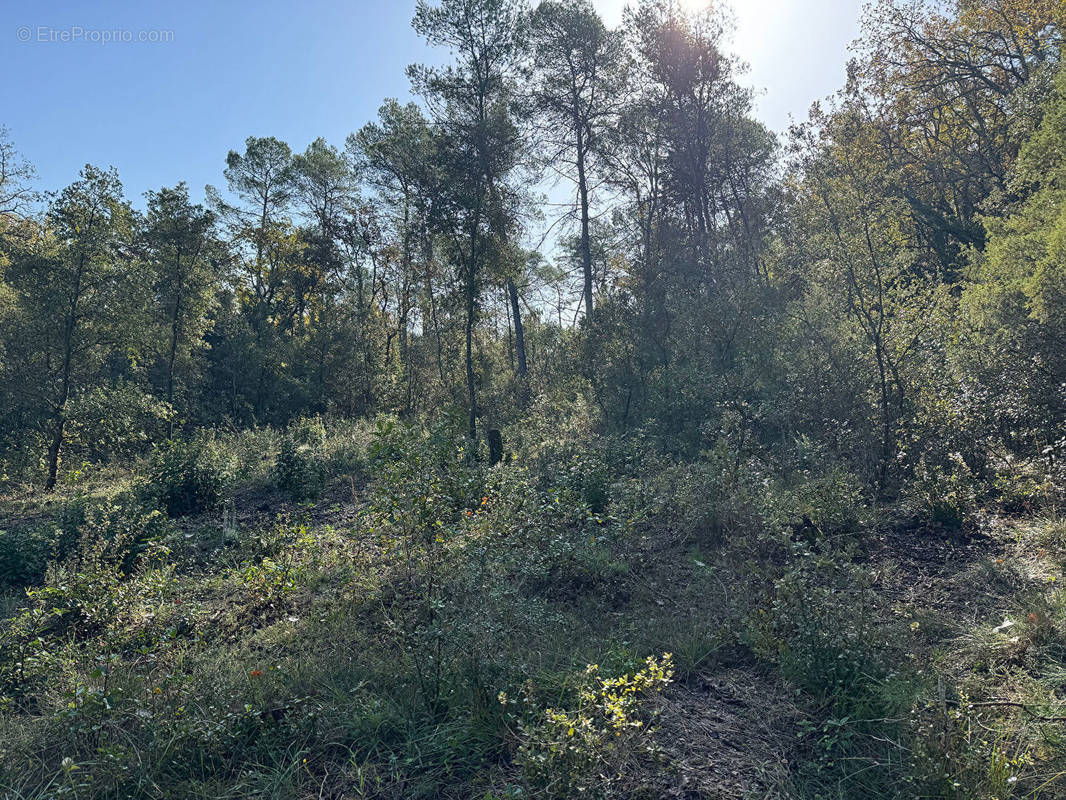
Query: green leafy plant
(588, 749)
(24, 554)
(299, 470)
(943, 495)
(188, 476)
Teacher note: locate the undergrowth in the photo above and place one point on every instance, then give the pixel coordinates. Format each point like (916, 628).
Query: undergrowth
(420, 624)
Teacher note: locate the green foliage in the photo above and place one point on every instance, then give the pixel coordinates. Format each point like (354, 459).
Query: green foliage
(723, 494)
(425, 488)
(28, 552)
(299, 470)
(81, 594)
(588, 476)
(345, 447)
(776, 354)
(958, 757)
(1025, 487)
(115, 422)
(283, 561)
(826, 493)
(943, 495)
(589, 748)
(24, 554)
(817, 627)
(189, 475)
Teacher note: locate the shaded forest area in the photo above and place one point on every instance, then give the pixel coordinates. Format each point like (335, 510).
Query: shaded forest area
(746, 480)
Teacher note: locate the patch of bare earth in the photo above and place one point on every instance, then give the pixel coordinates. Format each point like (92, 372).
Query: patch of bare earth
(726, 734)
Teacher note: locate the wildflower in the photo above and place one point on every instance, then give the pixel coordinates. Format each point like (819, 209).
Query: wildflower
(255, 673)
(157, 690)
(1033, 618)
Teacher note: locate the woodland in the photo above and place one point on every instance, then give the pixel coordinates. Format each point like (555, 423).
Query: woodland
(382, 473)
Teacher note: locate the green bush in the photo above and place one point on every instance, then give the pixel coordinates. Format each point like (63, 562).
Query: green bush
(71, 517)
(832, 499)
(724, 493)
(187, 476)
(820, 628)
(299, 470)
(346, 446)
(80, 596)
(588, 476)
(945, 496)
(1021, 486)
(409, 456)
(308, 430)
(24, 554)
(587, 750)
(817, 627)
(117, 531)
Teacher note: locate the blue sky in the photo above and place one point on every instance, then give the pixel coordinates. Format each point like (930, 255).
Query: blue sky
(168, 111)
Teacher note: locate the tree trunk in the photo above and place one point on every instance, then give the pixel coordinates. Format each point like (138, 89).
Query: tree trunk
(175, 333)
(53, 453)
(471, 389)
(59, 415)
(495, 439)
(887, 445)
(520, 344)
(586, 246)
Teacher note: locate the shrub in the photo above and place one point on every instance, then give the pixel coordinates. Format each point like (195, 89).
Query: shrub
(71, 517)
(588, 476)
(587, 751)
(251, 453)
(24, 554)
(409, 457)
(723, 493)
(189, 476)
(1021, 486)
(817, 627)
(117, 532)
(820, 629)
(552, 429)
(943, 495)
(308, 430)
(832, 500)
(426, 486)
(346, 446)
(79, 596)
(299, 471)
